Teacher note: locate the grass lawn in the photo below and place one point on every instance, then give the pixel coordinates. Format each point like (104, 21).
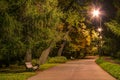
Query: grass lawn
(15, 72)
(16, 76)
(112, 68)
(19, 72)
(47, 66)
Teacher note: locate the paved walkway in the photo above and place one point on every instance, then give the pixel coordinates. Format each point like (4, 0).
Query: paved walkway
(85, 69)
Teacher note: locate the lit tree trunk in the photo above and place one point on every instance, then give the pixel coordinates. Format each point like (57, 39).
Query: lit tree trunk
(28, 57)
(61, 48)
(63, 44)
(44, 55)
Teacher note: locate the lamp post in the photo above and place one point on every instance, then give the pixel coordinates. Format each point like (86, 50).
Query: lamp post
(96, 14)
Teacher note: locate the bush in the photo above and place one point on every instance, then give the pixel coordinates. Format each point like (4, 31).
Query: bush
(118, 54)
(82, 55)
(34, 61)
(113, 69)
(60, 59)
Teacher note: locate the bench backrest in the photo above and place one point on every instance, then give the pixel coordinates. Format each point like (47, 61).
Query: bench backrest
(28, 64)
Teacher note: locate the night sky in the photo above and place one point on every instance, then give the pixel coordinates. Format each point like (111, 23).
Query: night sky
(108, 9)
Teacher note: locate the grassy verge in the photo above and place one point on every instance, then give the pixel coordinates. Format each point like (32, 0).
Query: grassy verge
(58, 59)
(47, 66)
(15, 72)
(53, 61)
(16, 76)
(113, 69)
(21, 74)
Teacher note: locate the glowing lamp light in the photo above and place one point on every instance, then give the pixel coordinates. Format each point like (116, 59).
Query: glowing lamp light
(100, 37)
(96, 13)
(99, 29)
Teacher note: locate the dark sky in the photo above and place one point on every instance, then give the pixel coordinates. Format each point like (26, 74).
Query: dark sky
(109, 9)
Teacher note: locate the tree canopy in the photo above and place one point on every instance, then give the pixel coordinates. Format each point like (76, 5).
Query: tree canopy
(39, 28)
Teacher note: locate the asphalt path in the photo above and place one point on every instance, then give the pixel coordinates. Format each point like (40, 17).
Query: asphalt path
(85, 69)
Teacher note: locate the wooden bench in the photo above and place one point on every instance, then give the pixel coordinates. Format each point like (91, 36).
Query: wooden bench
(30, 67)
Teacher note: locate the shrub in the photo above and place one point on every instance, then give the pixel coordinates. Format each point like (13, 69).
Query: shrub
(57, 59)
(118, 54)
(113, 69)
(82, 55)
(34, 61)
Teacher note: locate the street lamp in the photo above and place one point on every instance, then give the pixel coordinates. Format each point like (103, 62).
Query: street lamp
(96, 14)
(99, 29)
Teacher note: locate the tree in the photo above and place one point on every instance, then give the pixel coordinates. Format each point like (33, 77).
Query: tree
(112, 31)
(31, 28)
(27, 26)
(74, 11)
(10, 39)
(52, 23)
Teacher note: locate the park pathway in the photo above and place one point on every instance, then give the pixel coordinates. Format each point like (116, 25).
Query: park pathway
(85, 69)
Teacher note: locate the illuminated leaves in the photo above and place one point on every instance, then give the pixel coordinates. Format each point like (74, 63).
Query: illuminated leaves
(114, 27)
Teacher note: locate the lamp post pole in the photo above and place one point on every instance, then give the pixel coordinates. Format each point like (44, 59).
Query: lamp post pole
(96, 14)
(100, 39)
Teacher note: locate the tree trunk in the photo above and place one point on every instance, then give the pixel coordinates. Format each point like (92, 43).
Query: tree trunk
(63, 44)
(28, 57)
(61, 49)
(44, 55)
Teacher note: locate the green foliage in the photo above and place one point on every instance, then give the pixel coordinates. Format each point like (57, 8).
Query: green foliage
(11, 28)
(109, 46)
(117, 55)
(28, 25)
(82, 55)
(34, 61)
(113, 69)
(100, 60)
(113, 30)
(15, 72)
(3, 6)
(31, 26)
(114, 26)
(60, 59)
(79, 38)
